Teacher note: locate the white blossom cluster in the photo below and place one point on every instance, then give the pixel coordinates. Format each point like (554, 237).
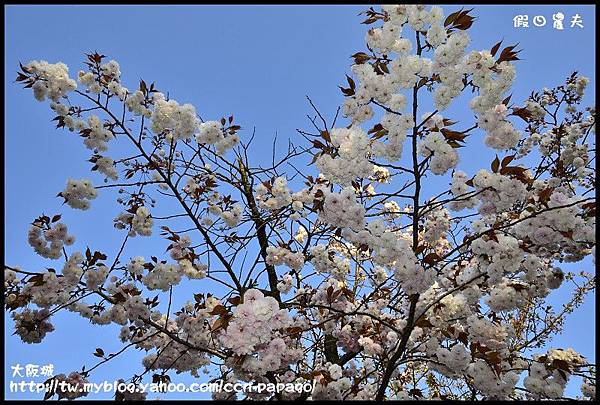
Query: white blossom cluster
(580, 85)
(51, 290)
(407, 70)
(89, 80)
(370, 346)
(168, 117)
(280, 195)
(177, 122)
(95, 278)
(325, 261)
(413, 277)
(486, 380)
(437, 223)
(112, 70)
(174, 355)
(498, 257)
(497, 192)
(536, 109)
(137, 105)
(162, 277)
(588, 389)
(77, 193)
(487, 333)
(387, 246)
(301, 199)
(286, 283)
(397, 127)
(391, 209)
(548, 229)
(136, 265)
(454, 361)
(493, 79)
(541, 276)
(572, 152)
(123, 220)
(507, 295)
(332, 390)
(193, 271)
(52, 81)
(181, 247)
(453, 306)
(301, 234)
(135, 308)
(277, 353)
(71, 122)
(443, 156)
(141, 223)
(50, 242)
(433, 121)
(281, 255)
(448, 64)
(119, 313)
(212, 133)
(97, 136)
(194, 328)
(568, 147)
(347, 336)
(550, 383)
(110, 78)
(385, 39)
(232, 216)
(106, 166)
(380, 276)
(351, 161)
(72, 270)
(460, 191)
(10, 277)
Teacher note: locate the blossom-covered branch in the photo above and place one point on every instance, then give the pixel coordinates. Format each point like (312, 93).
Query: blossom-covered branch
(341, 260)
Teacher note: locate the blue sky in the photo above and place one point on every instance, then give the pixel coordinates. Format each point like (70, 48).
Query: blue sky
(257, 63)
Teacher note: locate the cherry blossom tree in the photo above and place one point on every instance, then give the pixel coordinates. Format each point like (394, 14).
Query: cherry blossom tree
(338, 262)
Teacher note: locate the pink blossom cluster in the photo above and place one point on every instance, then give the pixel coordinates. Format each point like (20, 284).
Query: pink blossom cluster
(342, 210)
(501, 134)
(255, 323)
